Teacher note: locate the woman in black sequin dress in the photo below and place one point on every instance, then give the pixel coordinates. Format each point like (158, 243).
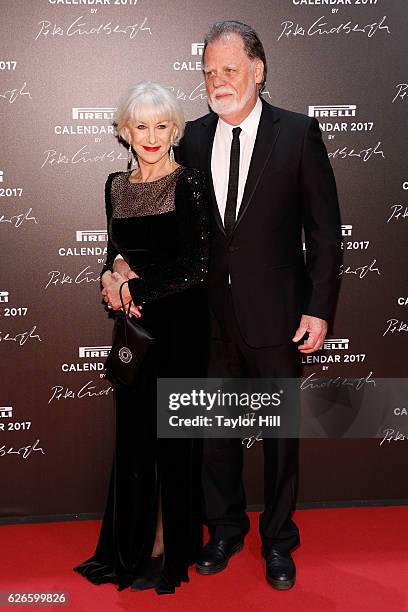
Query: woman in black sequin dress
(157, 221)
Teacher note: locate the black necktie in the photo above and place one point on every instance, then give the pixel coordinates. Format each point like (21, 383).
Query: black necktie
(231, 204)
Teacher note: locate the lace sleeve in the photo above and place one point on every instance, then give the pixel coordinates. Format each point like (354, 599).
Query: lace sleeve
(190, 266)
(111, 250)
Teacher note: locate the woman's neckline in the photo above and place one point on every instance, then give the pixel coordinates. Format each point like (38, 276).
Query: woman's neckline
(155, 180)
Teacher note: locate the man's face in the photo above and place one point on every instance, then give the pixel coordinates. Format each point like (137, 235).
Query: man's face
(231, 78)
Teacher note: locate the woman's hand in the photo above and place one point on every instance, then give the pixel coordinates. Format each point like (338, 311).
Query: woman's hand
(106, 281)
(134, 311)
(110, 293)
(106, 278)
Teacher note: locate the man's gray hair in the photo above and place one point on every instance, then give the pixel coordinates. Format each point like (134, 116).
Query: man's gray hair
(252, 43)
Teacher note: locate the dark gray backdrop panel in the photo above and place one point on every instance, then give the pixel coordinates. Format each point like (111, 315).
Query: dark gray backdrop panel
(58, 59)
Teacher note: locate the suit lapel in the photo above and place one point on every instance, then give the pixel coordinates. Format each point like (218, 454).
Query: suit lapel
(210, 122)
(267, 134)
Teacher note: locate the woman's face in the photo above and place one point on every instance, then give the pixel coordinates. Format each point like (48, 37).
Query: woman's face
(151, 139)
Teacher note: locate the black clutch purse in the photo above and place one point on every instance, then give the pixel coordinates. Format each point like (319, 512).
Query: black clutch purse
(130, 343)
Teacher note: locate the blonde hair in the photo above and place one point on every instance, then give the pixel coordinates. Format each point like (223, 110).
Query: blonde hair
(148, 101)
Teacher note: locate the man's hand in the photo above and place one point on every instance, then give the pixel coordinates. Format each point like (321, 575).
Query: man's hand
(123, 268)
(317, 330)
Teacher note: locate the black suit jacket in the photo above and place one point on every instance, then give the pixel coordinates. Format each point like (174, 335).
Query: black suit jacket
(290, 187)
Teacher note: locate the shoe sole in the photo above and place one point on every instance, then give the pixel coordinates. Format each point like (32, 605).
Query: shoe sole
(281, 585)
(202, 569)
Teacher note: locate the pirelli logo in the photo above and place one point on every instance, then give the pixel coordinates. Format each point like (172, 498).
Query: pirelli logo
(334, 110)
(93, 113)
(6, 412)
(91, 236)
(197, 48)
(86, 352)
(333, 344)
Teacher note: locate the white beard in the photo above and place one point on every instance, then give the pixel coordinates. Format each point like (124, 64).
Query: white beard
(228, 108)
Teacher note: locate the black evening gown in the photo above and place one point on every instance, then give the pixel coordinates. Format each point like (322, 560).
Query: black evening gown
(161, 229)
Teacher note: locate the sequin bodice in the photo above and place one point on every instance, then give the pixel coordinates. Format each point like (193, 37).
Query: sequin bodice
(140, 199)
(161, 229)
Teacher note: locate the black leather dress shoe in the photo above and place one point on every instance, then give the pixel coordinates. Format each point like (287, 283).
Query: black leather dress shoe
(280, 569)
(215, 555)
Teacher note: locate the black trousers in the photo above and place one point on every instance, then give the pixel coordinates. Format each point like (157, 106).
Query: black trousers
(224, 495)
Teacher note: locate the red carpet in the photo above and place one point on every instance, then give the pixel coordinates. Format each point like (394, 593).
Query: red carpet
(351, 559)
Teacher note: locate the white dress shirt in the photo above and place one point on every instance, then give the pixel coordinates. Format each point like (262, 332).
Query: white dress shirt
(221, 151)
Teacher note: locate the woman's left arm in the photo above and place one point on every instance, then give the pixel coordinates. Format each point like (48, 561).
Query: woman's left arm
(190, 266)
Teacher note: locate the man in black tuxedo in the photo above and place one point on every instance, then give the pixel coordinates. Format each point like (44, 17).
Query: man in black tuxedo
(270, 177)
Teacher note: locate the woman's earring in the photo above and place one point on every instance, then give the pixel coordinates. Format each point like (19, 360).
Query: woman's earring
(171, 154)
(131, 158)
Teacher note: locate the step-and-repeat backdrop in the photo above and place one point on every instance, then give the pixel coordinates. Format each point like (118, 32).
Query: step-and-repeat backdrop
(63, 66)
